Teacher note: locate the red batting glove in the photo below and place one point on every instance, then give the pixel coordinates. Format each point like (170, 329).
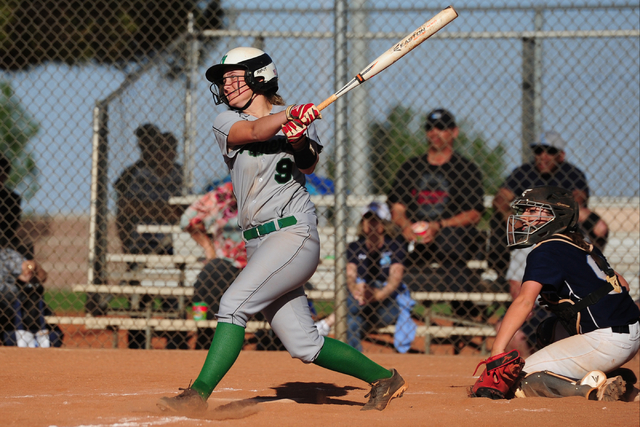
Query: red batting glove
(305, 113)
(294, 131)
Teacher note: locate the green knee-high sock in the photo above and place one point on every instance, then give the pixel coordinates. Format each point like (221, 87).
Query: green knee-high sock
(225, 347)
(343, 358)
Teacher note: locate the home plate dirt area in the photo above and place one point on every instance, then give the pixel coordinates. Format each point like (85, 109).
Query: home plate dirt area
(119, 388)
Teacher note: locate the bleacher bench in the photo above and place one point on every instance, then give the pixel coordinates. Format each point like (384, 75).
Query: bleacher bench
(151, 325)
(189, 258)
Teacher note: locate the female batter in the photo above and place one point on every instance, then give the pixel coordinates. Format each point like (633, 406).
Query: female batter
(268, 148)
(595, 330)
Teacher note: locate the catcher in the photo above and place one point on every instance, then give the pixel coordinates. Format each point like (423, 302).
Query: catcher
(594, 327)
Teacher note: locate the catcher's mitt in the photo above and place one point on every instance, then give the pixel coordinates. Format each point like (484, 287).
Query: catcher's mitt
(500, 375)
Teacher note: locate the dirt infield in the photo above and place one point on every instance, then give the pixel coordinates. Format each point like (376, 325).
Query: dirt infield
(78, 387)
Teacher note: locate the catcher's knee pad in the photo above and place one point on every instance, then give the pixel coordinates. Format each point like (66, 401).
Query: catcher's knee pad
(548, 384)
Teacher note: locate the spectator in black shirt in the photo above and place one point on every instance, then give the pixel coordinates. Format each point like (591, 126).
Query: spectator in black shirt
(437, 200)
(10, 210)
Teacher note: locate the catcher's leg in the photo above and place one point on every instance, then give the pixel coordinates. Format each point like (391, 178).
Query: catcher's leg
(593, 386)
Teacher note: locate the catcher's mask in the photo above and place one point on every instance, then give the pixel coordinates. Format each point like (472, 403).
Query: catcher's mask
(540, 213)
(260, 73)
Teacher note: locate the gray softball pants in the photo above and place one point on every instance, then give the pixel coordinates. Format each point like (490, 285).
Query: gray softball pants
(279, 264)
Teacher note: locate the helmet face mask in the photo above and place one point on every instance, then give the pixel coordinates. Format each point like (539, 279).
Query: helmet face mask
(539, 214)
(217, 88)
(532, 219)
(260, 73)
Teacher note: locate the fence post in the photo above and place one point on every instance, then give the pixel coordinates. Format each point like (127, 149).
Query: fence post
(99, 200)
(190, 106)
(359, 156)
(340, 200)
(531, 90)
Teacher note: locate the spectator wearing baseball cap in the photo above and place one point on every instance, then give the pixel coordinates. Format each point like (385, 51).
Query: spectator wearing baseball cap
(549, 152)
(381, 210)
(548, 168)
(439, 195)
(440, 119)
(551, 139)
(441, 191)
(429, 188)
(377, 295)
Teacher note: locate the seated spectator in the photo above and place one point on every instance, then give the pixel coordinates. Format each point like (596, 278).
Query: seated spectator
(437, 201)
(377, 295)
(549, 168)
(208, 221)
(22, 306)
(10, 212)
(143, 191)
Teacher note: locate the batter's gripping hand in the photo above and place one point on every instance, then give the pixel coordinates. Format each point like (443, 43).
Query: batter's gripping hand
(499, 377)
(294, 131)
(305, 113)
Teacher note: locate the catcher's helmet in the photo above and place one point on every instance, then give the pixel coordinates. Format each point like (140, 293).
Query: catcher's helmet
(557, 211)
(260, 72)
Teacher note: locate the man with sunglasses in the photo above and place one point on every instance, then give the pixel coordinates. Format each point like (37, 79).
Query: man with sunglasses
(437, 201)
(549, 168)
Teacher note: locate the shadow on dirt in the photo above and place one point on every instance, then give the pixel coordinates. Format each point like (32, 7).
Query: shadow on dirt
(313, 393)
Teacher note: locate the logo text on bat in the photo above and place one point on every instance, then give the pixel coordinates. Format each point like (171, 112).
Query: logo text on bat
(417, 33)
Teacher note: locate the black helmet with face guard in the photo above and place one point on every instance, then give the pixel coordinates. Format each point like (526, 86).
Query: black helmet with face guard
(555, 210)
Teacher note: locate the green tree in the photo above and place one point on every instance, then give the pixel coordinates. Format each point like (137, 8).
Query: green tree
(490, 160)
(111, 32)
(16, 129)
(392, 142)
(395, 140)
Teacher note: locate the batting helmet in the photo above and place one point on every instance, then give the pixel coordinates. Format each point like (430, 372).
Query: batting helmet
(260, 72)
(540, 213)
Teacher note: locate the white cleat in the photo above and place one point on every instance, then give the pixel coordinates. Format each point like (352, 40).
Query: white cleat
(594, 379)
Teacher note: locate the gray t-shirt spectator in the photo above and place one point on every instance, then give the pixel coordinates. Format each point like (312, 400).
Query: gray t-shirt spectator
(10, 268)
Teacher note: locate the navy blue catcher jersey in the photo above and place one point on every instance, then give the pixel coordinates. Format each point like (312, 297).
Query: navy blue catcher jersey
(571, 273)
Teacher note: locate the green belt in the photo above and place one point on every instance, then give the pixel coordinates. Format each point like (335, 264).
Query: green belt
(269, 227)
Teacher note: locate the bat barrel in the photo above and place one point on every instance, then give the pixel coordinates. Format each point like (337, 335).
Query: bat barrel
(400, 49)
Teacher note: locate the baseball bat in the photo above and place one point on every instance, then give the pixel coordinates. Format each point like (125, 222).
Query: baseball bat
(400, 49)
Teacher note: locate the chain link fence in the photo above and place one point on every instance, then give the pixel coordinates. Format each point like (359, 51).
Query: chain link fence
(105, 159)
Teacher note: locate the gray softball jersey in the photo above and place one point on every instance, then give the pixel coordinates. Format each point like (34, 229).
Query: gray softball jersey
(266, 182)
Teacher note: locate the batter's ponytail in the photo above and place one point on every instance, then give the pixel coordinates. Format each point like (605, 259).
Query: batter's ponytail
(274, 99)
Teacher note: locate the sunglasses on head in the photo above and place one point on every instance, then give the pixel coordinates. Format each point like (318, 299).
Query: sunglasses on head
(539, 149)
